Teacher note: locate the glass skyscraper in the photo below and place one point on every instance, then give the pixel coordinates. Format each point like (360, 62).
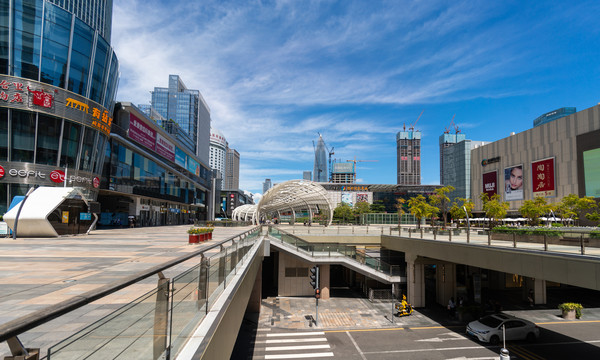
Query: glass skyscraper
(188, 109)
(58, 79)
(320, 168)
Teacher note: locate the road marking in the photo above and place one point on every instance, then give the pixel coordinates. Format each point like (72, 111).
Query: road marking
(297, 347)
(453, 336)
(475, 358)
(299, 356)
(279, 341)
(423, 350)
(297, 334)
(356, 346)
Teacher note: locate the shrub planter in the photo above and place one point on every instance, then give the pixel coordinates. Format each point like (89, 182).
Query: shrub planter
(209, 235)
(203, 236)
(568, 314)
(570, 311)
(193, 239)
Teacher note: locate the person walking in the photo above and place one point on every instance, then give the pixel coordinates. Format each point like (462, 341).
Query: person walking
(451, 307)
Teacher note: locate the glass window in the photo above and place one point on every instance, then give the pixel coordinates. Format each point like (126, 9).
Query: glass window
(48, 140)
(4, 38)
(55, 50)
(26, 38)
(112, 82)
(3, 135)
(99, 70)
(70, 145)
(83, 36)
(23, 136)
(89, 138)
(3, 198)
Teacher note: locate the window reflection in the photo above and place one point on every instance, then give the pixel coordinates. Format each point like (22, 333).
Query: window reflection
(23, 135)
(70, 145)
(48, 140)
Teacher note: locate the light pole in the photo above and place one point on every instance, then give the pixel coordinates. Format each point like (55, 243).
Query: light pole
(468, 224)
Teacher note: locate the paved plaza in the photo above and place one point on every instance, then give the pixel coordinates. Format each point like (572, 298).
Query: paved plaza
(39, 272)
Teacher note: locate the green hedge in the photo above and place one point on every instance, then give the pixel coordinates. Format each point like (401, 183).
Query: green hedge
(527, 231)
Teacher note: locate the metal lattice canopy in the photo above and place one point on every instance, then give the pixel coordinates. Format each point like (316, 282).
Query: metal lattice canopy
(244, 213)
(294, 195)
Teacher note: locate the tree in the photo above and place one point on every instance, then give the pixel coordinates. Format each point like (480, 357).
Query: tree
(361, 207)
(420, 208)
(493, 207)
(378, 207)
(400, 206)
(533, 209)
(441, 201)
(343, 212)
(571, 205)
(457, 211)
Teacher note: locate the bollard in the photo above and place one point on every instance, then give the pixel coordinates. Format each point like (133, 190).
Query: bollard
(421, 233)
(545, 242)
(582, 245)
(514, 236)
(450, 235)
(504, 355)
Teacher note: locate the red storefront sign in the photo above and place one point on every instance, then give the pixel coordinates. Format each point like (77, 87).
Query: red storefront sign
(490, 183)
(542, 178)
(57, 176)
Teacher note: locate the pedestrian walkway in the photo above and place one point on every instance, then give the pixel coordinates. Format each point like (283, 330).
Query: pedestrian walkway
(38, 272)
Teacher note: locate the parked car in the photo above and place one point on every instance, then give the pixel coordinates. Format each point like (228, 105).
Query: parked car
(489, 329)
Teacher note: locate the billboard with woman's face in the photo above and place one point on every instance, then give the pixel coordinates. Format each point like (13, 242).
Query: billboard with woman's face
(513, 183)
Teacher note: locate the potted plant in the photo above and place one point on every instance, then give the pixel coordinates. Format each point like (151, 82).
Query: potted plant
(570, 311)
(209, 232)
(193, 235)
(202, 232)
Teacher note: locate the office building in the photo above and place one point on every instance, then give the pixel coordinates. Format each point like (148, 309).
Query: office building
(267, 185)
(343, 173)
(188, 109)
(58, 79)
(552, 160)
(232, 172)
(457, 168)
(447, 140)
(553, 115)
(307, 175)
(320, 167)
(408, 152)
(149, 176)
(218, 152)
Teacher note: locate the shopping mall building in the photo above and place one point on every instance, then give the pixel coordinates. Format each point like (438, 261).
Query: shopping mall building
(551, 160)
(58, 78)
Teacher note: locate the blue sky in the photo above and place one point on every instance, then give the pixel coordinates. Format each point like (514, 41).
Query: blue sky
(277, 73)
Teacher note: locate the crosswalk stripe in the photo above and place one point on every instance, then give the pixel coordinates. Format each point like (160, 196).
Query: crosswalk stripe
(297, 334)
(279, 341)
(297, 347)
(299, 356)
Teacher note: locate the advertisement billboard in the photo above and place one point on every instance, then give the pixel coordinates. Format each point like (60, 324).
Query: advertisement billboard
(141, 133)
(164, 147)
(180, 157)
(542, 178)
(513, 183)
(490, 183)
(591, 171)
(347, 198)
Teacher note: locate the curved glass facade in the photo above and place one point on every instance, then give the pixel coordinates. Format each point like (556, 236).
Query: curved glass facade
(58, 79)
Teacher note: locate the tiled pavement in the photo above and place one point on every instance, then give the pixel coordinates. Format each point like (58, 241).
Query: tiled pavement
(38, 272)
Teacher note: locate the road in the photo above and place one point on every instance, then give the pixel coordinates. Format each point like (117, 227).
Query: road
(559, 340)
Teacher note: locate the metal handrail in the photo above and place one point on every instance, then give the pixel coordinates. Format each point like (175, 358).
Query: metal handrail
(380, 263)
(25, 323)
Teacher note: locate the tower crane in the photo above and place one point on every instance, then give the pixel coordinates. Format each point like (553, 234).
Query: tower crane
(412, 127)
(452, 125)
(354, 165)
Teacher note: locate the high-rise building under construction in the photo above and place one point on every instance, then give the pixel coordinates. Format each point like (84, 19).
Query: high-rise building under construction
(408, 147)
(320, 168)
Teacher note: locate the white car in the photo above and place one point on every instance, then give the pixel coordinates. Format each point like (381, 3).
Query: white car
(489, 329)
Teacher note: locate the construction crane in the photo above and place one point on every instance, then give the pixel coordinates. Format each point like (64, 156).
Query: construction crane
(412, 127)
(330, 152)
(447, 129)
(354, 164)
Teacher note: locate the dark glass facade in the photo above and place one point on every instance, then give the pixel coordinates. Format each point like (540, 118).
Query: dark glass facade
(58, 79)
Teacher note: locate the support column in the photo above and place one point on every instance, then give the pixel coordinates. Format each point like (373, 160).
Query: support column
(445, 283)
(324, 280)
(256, 295)
(539, 290)
(415, 281)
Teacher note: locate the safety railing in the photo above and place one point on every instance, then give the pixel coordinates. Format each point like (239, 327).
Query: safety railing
(335, 249)
(154, 326)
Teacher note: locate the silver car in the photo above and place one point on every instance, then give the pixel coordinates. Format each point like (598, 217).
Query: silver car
(489, 329)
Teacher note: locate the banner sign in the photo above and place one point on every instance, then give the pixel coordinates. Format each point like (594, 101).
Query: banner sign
(141, 133)
(25, 94)
(513, 183)
(543, 178)
(164, 147)
(180, 157)
(490, 183)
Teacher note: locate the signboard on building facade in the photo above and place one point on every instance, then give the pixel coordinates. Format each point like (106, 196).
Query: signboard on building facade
(141, 133)
(25, 94)
(180, 157)
(45, 175)
(513, 183)
(164, 147)
(542, 178)
(490, 183)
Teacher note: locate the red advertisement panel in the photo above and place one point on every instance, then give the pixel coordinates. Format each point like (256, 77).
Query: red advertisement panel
(543, 178)
(141, 133)
(490, 183)
(165, 148)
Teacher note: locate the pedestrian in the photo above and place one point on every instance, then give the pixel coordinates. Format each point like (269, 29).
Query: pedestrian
(530, 298)
(451, 307)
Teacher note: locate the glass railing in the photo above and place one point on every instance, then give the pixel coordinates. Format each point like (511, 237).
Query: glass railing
(158, 324)
(335, 249)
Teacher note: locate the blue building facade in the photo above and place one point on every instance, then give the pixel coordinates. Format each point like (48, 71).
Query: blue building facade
(58, 79)
(553, 115)
(320, 167)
